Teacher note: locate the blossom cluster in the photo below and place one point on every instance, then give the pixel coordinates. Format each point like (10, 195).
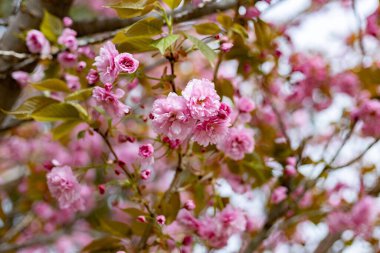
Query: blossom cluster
(200, 115)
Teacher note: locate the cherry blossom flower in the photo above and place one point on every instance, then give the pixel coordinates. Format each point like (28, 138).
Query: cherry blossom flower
(171, 117)
(201, 98)
(237, 143)
(126, 63)
(105, 63)
(64, 186)
(37, 43)
(110, 101)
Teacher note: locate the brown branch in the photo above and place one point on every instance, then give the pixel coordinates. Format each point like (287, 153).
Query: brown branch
(187, 13)
(29, 16)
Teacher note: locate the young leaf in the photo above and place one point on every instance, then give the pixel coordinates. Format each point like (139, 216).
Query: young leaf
(165, 42)
(30, 105)
(224, 88)
(172, 3)
(57, 111)
(146, 27)
(51, 26)
(52, 85)
(171, 208)
(204, 48)
(64, 129)
(133, 8)
(80, 95)
(207, 28)
(115, 228)
(104, 244)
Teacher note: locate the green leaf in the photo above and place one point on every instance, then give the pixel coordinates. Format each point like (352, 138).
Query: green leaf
(138, 37)
(224, 88)
(146, 27)
(134, 212)
(165, 42)
(105, 244)
(207, 28)
(57, 111)
(80, 95)
(172, 3)
(63, 130)
(115, 228)
(51, 26)
(52, 85)
(170, 209)
(138, 228)
(204, 48)
(240, 30)
(137, 45)
(133, 8)
(31, 105)
(225, 20)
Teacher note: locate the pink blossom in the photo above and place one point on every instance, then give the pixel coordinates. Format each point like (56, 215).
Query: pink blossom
(81, 66)
(347, 82)
(225, 47)
(145, 174)
(64, 186)
(372, 27)
(68, 39)
(102, 189)
(369, 114)
(245, 105)
(21, 77)
(201, 98)
(338, 221)
(141, 218)
(67, 59)
(252, 12)
(279, 194)
(232, 219)
(185, 218)
(105, 63)
(237, 143)
(126, 63)
(92, 76)
(110, 101)
(67, 21)
(37, 43)
(189, 205)
(171, 117)
(161, 219)
(72, 82)
(214, 129)
(146, 150)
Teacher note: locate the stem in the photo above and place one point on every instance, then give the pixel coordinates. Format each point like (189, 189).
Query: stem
(358, 157)
(172, 188)
(172, 62)
(217, 66)
(125, 170)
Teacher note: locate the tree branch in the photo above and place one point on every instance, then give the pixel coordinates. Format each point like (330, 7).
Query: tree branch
(100, 25)
(29, 16)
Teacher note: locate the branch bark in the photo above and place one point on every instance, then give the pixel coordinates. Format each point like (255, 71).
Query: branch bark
(28, 17)
(101, 25)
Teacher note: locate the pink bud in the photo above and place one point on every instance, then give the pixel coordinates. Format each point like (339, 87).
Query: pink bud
(160, 219)
(102, 189)
(145, 174)
(67, 21)
(122, 138)
(92, 76)
(81, 66)
(226, 47)
(141, 218)
(189, 205)
(146, 150)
